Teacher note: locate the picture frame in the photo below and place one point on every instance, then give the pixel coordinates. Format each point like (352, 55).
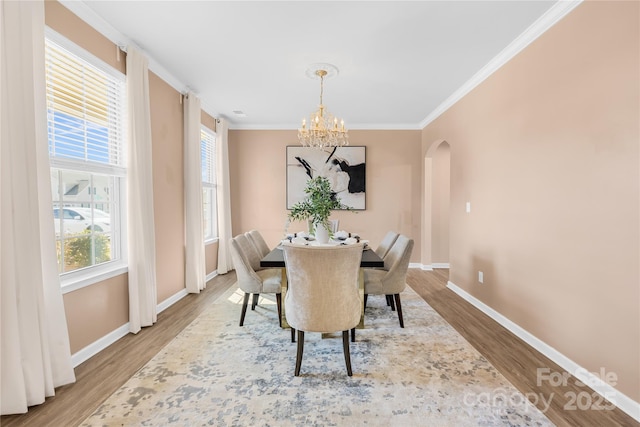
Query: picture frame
(345, 167)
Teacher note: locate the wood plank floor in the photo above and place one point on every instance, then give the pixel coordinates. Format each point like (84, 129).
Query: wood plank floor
(103, 374)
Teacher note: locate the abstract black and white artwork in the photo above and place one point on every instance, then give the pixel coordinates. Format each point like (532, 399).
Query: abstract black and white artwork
(344, 167)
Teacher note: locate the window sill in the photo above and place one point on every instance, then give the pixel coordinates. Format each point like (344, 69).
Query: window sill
(80, 280)
(211, 241)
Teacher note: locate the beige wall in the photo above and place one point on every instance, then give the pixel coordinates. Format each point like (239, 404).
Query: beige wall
(258, 184)
(168, 182)
(440, 208)
(547, 152)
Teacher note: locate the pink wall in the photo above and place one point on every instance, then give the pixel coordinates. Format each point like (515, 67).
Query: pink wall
(548, 157)
(440, 208)
(394, 167)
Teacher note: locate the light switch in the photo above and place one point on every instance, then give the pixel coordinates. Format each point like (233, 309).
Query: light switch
(468, 207)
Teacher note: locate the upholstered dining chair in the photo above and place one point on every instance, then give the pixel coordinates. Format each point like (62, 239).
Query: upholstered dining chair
(391, 280)
(250, 281)
(251, 251)
(259, 242)
(322, 294)
(387, 242)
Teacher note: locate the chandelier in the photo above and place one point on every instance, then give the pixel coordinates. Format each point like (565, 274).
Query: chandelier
(323, 129)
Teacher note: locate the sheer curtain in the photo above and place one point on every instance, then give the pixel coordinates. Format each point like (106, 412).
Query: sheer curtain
(195, 269)
(35, 355)
(224, 199)
(140, 222)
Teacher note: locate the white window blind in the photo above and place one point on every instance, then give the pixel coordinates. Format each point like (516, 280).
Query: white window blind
(209, 198)
(84, 109)
(208, 147)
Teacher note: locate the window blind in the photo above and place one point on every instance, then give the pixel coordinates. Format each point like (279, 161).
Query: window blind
(208, 154)
(85, 116)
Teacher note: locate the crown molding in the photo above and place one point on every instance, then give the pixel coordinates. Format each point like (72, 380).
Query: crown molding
(355, 126)
(555, 13)
(84, 12)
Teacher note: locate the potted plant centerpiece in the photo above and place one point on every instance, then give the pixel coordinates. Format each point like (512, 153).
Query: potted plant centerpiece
(317, 207)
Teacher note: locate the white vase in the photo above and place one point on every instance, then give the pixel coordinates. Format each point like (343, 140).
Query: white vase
(322, 234)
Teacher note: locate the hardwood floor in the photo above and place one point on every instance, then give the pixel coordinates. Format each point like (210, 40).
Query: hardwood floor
(99, 377)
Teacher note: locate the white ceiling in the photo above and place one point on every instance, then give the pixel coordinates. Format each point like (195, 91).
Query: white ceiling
(398, 61)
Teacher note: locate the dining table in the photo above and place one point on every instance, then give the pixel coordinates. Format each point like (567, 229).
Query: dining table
(275, 259)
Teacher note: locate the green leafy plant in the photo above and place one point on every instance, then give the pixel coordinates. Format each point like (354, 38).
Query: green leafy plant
(318, 204)
(78, 251)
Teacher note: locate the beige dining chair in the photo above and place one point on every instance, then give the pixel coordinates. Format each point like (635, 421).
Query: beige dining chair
(387, 242)
(259, 242)
(391, 280)
(322, 294)
(250, 281)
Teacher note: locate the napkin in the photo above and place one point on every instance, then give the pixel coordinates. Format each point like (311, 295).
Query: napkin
(341, 234)
(299, 241)
(350, 241)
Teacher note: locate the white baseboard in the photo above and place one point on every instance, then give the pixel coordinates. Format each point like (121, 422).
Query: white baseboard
(440, 265)
(99, 345)
(172, 300)
(211, 275)
(104, 342)
(419, 265)
(604, 389)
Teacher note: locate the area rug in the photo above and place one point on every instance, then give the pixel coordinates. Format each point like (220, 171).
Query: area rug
(217, 373)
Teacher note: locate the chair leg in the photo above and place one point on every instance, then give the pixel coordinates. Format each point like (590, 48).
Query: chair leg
(299, 353)
(393, 306)
(347, 355)
(388, 299)
(279, 305)
(255, 301)
(397, 297)
(293, 334)
(366, 296)
(245, 301)
(353, 335)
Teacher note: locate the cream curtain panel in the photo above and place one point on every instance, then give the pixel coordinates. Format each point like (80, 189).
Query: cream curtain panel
(35, 355)
(195, 269)
(225, 264)
(140, 222)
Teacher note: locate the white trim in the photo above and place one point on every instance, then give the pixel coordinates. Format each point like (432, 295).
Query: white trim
(440, 265)
(350, 126)
(99, 345)
(558, 11)
(425, 267)
(621, 400)
(416, 265)
(211, 241)
(76, 280)
(211, 275)
(172, 300)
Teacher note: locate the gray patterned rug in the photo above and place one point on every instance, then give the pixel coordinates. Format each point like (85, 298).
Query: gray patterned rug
(217, 373)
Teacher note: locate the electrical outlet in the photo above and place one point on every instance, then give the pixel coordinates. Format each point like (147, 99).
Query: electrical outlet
(480, 277)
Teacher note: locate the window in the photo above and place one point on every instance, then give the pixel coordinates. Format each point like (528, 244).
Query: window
(85, 126)
(209, 194)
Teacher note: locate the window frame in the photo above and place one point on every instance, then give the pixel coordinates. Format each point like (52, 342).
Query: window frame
(86, 276)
